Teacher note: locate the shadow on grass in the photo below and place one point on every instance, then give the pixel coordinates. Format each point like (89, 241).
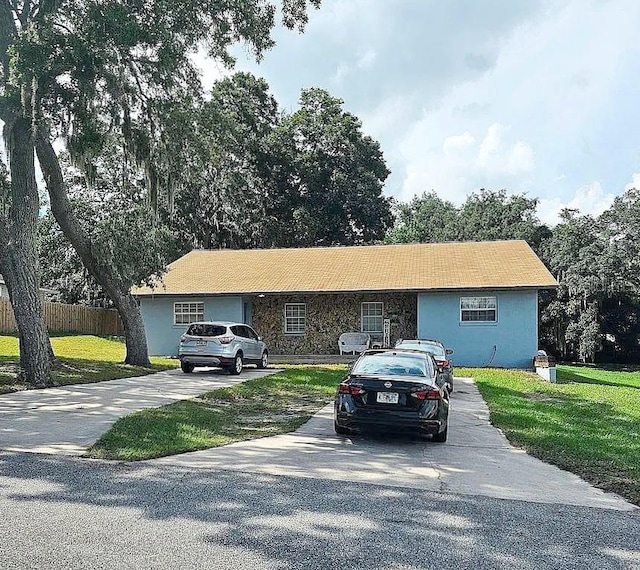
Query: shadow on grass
(67, 372)
(146, 516)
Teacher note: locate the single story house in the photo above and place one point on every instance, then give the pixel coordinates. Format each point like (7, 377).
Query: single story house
(479, 298)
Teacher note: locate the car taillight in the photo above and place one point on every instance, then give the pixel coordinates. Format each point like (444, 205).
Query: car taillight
(184, 339)
(353, 389)
(225, 339)
(431, 394)
(442, 363)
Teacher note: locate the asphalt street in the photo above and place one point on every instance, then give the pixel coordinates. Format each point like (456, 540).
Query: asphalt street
(308, 499)
(65, 512)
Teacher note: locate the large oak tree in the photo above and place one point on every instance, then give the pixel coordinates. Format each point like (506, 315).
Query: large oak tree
(77, 71)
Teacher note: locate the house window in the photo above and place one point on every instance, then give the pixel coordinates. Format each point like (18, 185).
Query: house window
(295, 318)
(185, 313)
(478, 309)
(372, 317)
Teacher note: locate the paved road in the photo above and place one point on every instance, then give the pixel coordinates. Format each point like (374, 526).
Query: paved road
(304, 500)
(64, 512)
(69, 419)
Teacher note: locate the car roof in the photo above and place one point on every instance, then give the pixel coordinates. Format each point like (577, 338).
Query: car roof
(420, 341)
(396, 351)
(219, 323)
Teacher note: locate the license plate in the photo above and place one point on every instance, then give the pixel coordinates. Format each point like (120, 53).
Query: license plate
(387, 397)
(201, 343)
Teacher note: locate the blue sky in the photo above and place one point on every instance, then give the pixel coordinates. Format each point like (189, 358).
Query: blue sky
(532, 96)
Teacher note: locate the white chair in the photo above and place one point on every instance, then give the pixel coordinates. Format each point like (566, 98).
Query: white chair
(354, 342)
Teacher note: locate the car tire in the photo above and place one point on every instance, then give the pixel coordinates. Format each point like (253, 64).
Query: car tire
(187, 367)
(264, 361)
(340, 430)
(442, 436)
(237, 365)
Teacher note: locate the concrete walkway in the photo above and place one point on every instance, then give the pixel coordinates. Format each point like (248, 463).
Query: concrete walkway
(476, 460)
(69, 419)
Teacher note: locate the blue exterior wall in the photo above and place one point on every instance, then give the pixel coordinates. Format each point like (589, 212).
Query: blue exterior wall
(163, 337)
(514, 335)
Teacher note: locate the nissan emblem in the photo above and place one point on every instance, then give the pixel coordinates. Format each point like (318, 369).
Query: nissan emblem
(388, 384)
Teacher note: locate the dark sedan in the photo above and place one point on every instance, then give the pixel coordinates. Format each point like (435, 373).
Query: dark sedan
(440, 354)
(393, 390)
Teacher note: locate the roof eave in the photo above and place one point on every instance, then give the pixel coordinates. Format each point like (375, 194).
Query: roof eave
(535, 287)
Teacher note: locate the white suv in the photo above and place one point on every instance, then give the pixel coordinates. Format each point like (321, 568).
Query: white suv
(221, 343)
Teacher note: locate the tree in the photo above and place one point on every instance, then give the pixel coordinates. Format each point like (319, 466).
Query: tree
(124, 232)
(227, 183)
(493, 215)
(426, 219)
(484, 216)
(80, 70)
(571, 319)
(329, 177)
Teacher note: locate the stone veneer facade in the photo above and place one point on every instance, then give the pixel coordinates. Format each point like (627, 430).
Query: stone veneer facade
(327, 317)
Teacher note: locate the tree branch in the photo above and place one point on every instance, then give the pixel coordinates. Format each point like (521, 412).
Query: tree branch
(8, 33)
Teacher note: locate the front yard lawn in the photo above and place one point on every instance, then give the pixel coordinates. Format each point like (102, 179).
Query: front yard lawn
(587, 423)
(81, 359)
(259, 407)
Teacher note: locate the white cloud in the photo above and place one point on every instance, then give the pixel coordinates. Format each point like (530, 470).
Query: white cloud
(465, 163)
(635, 182)
(341, 72)
(589, 200)
(366, 59)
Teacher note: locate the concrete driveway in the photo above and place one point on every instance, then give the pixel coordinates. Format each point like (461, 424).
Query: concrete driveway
(69, 419)
(477, 459)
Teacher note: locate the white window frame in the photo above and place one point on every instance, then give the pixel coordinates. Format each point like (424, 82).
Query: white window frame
(295, 319)
(369, 305)
(187, 312)
(477, 305)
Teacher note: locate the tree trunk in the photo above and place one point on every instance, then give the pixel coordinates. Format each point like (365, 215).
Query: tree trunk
(135, 337)
(134, 332)
(20, 258)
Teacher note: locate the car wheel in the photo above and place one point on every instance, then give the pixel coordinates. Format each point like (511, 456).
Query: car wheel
(264, 361)
(187, 367)
(340, 430)
(442, 436)
(236, 367)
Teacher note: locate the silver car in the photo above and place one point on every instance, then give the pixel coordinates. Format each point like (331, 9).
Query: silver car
(221, 343)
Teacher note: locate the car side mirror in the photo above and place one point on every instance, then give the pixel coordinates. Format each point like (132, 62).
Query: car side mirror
(259, 338)
(449, 350)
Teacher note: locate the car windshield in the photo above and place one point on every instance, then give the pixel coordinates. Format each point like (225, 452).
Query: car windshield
(390, 364)
(435, 349)
(199, 329)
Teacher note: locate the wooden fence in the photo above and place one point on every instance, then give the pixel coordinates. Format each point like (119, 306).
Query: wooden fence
(68, 318)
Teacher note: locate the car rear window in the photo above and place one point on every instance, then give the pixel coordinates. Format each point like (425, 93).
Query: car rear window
(434, 349)
(206, 330)
(391, 364)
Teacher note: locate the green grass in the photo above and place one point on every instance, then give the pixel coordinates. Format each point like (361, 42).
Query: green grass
(81, 359)
(260, 407)
(587, 423)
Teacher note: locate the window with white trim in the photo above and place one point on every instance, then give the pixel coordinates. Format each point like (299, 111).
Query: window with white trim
(371, 317)
(186, 313)
(478, 309)
(295, 318)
